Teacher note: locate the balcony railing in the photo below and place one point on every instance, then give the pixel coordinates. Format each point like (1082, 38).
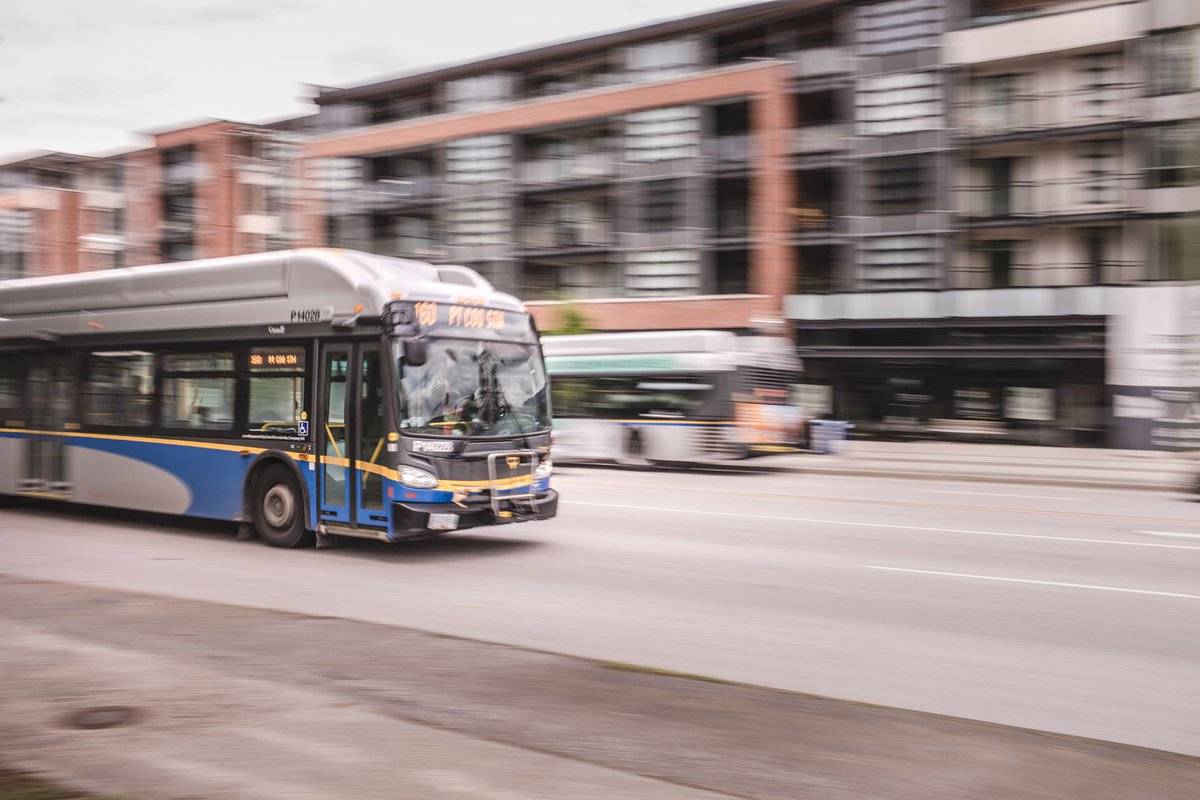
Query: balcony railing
(1031, 113)
(564, 236)
(818, 61)
(1105, 194)
(564, 170)
(736, 149)
(391, 192)
(189, 172)
(820, 138)
(1108, 272)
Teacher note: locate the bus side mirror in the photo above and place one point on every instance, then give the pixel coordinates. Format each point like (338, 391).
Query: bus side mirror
(415, 352)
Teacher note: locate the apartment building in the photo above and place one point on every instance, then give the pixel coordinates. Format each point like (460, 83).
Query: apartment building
(207, 189)
(667, 176)
(1058, 199)
(39, 215)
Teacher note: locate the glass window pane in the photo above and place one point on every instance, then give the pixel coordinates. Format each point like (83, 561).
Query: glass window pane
(198, 362)
(276, 404)
(198, 403)
(371, 448)
(12, 383)
(119, 388)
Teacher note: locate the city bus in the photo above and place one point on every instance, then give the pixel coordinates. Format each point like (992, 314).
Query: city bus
(673, 397)
(306, 394)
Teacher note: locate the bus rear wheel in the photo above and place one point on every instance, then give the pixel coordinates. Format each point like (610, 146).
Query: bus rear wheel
(279, 508)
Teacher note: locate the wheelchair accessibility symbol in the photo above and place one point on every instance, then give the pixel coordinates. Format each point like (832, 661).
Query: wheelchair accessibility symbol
(302, 427)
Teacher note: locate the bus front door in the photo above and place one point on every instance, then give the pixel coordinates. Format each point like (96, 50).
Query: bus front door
(351, 436)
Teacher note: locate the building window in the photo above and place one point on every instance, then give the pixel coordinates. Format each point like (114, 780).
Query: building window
(198, 391)
(662, 206)
(663, 134)
(1175, 155)
(1000, 262)
(479, 159)
(276, 390)
(12, 389)
(1173, 61)
(659, 60)
(1096, 245)
(901, 184)
(898, 26)
(662, 273)
(998, 106)
(899, 262)
(1101, 182)
(899, 103)
(120, 388)
(1177, 249)
(479, 91)
(1100, 91)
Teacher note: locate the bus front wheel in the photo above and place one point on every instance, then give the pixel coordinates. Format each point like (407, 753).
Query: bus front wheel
(279, 508)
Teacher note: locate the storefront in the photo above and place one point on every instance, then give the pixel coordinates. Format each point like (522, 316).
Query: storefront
(1075, 366)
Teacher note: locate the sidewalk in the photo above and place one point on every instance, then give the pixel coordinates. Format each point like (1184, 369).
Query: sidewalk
(235, 703)
(952, 461)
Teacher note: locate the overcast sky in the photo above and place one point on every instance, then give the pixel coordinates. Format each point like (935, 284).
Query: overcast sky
(87, 75)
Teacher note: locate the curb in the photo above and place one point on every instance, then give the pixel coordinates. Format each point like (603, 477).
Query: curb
(751, 468)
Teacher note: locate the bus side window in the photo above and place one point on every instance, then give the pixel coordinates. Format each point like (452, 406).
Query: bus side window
(119, 388)
(12, 385)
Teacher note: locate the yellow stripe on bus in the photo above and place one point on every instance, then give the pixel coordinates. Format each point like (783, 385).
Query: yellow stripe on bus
(375, 469)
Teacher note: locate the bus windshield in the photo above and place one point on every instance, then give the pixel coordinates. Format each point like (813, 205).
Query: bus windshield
(471, 387)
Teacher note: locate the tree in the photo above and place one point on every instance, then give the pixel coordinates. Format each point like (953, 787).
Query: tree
(571, 321)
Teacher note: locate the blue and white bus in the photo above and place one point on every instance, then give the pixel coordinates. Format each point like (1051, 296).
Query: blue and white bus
(306, 393)
(673, 397)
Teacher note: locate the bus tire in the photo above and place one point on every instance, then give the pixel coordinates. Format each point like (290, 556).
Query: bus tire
(278, 508)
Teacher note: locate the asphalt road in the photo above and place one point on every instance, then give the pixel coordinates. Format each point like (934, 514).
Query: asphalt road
(1068, 610)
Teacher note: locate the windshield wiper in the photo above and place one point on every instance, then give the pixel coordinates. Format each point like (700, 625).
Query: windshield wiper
(489, 381)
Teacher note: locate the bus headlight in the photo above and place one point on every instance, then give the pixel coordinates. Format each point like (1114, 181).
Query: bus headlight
(543, 469)
(417, 478)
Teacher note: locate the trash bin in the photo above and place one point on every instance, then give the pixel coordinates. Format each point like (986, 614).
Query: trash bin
(828, 436)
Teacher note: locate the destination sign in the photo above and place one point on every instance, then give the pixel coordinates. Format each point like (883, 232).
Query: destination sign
(264, 359)
(467, 317)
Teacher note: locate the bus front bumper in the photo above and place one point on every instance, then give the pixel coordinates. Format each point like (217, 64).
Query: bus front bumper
(414, 519)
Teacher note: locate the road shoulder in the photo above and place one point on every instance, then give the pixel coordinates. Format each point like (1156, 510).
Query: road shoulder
(242, 702)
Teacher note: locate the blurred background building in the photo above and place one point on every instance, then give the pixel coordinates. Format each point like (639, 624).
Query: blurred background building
(976, 218)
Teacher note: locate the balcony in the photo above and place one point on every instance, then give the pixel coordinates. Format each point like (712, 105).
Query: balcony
(183, 173)
(820, 61)
(1050, 114)
(728, 150)
(999, 36)
(103, 199)
(260, 172)
(814, 139)
(102, 242)
(549, 171)
(563, 236)
(1055, 200)
(389, 193)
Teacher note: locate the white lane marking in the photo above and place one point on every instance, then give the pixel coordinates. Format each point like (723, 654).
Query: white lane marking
(1037, 583)
(1172, 534)
(1000, 494)
(740, 515)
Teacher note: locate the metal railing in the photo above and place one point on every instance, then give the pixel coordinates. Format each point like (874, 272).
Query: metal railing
(393, 191)
(565, 236)
(1102, 194)
(562, 170)
(1034, 112)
